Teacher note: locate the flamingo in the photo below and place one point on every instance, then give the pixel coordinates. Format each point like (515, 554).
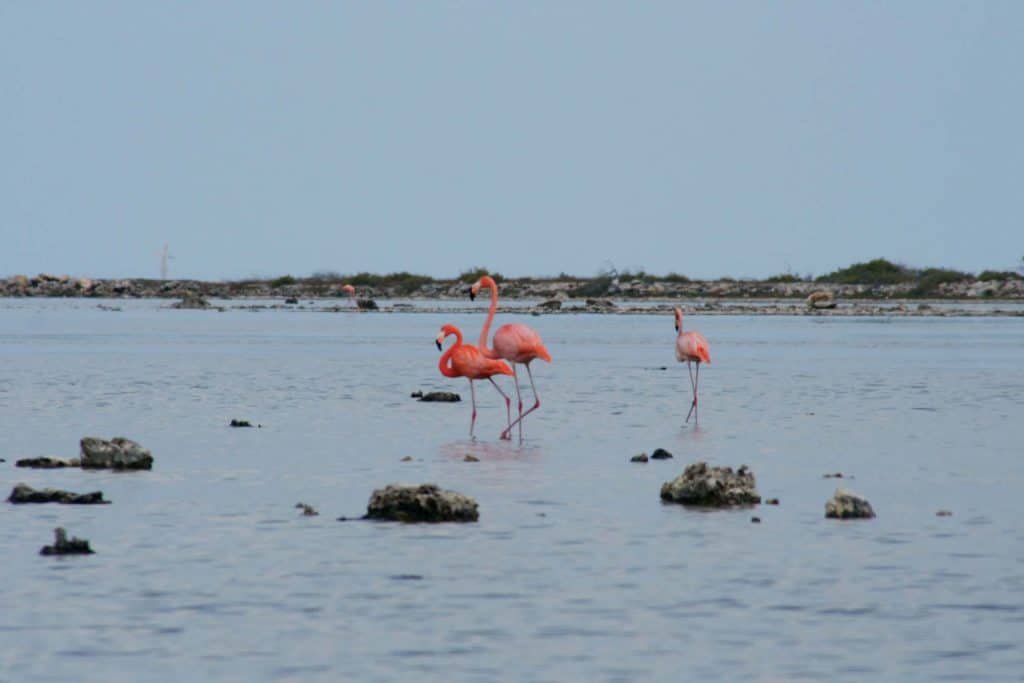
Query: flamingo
(351, 291)
(515, 343)
(691, 347)
(466, 360)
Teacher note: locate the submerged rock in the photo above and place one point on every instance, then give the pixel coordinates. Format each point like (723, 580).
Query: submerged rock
(470, 458)
(439, 397)
(550, 305)
(712, 486)
(366, 304)
(307, 510)
(944, 513)
(291, 300)
(240, 423)
(118, 454)
(848, 505)
(63, 546)
(640, 457)
(48, 462)
(660, 454)
(422, 503)
(23, 493)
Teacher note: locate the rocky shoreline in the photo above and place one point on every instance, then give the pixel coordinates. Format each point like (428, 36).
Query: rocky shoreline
(45, 285)
(537, 297)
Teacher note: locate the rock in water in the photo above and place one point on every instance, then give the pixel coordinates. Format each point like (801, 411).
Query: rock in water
(366, 304)
(820, 299)
(47, 462)
(190, 300)
(848, 505)
(118, 454)
(63, 546)
(422, 503)
(240, 423)
(441, 397)
(660, 454)
(23, 493)
(639, 457)
(712, 486)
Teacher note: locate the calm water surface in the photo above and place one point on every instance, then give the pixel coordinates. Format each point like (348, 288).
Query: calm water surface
(576, 570)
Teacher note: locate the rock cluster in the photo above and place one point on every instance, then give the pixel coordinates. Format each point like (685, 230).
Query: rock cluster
(712, 486)
(48, 462)
(64, 546)
(117, 454)
(848, 505)
(421, 503)
(23, 493)
(436, 396)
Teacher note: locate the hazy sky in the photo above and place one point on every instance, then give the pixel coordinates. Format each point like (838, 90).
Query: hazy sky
(705, 138)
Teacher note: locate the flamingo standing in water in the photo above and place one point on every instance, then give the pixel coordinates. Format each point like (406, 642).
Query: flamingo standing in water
(691, 347)
(515, 343)
(351, 291)
(466, 360)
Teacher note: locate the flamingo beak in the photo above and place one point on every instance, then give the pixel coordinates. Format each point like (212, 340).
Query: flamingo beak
(438, 341)
(677, 326)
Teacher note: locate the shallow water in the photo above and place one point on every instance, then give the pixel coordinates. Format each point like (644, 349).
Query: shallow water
(576, 570)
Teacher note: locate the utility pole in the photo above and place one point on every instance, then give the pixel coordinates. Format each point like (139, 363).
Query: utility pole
(165, 256)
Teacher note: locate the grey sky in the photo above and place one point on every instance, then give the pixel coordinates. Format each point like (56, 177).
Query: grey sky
(710, 139)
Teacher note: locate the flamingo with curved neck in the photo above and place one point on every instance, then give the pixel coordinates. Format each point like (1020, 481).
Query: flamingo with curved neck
(515, 343)
(691, 347)
(466, 360)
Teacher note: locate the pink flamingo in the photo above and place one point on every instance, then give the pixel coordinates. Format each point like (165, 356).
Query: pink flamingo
(466, 360)
(691, 346)
(351, 291)
(515, 343)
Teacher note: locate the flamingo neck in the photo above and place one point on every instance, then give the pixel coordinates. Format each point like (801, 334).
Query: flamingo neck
(487, 281)
(443, 365)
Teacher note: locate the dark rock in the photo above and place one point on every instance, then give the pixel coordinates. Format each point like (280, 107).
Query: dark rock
(422, 503)
(191, 300)
(837, 475)
(755, 520)
(944, 513)
(291, 300)
(240, 423)
(48, 462)
(712, 486)
(407, 458)
(307, 510)
(606, 304)
(660, 454)
(118, 454)
(23, 493)
(848, 505)
(821, 300)
(550, 305)
(642, 457)
(63, 546)
(772, 501)
(366, 304)
(440, 397)
(470, 458)
(416, 394)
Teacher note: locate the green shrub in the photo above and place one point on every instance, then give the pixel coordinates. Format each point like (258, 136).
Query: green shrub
(876, 272)
(783, 277)
(282, 281)
(676, 277)
(930, 278)
(1000, 275)
(473, 274)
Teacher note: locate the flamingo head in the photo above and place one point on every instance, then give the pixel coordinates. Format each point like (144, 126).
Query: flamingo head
(679, 318)
(447, 330)
(483, 283)
(349, 289)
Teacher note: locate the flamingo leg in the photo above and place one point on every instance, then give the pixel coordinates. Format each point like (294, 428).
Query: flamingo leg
(536, 403)
(472, 420)
(508, 403)
(693, 388)
(507, 434)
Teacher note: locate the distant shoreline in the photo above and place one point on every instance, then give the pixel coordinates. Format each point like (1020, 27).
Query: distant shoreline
(564, 290)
